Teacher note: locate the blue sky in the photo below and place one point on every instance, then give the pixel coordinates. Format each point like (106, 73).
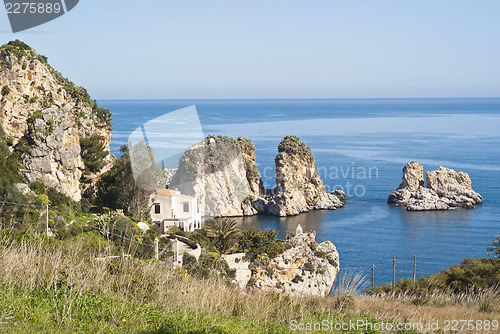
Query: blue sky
(275, 49)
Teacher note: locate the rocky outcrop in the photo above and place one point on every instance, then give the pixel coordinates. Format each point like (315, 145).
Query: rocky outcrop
(299, 186)
(222, 173)
(445, 189)
(304, 268)
(45, 116)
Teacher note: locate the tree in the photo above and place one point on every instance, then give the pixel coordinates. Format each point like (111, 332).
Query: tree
(223, 233)
(494, 249)
(93, 153)
(117, 188)
(258, 242)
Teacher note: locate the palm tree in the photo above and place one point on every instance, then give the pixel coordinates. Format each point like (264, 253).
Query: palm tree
(223, 233)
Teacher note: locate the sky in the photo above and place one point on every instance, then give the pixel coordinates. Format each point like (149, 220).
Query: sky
(162, 49)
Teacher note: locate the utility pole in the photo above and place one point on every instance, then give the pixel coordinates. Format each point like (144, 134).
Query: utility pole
(156, 248)
(373, 280)
(414, 268)
(47, 218)
(393, 274)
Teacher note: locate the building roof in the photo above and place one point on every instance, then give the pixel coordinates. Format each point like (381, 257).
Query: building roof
(177, 219)
(171, 193)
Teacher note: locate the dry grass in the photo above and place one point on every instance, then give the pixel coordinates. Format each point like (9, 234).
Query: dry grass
(71, 270)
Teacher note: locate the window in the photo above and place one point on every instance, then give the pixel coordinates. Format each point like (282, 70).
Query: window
(157, 208)
(185, 207)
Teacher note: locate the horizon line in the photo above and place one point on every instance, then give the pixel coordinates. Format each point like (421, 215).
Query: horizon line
(297, 98)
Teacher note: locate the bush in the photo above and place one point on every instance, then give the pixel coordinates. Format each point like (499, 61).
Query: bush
(78, 93)
(494, 249)
(5, 90)
(258, 242)
(470, 275)
(292, 145)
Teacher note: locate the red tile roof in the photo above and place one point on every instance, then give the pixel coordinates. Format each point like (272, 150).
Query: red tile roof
(171, 193)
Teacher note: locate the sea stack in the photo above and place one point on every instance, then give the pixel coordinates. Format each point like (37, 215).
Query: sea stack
(298, 185)
(445, 189)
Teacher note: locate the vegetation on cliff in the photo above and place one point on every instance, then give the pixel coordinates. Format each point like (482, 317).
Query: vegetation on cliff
(52, 123)
(23, 52)
(292, 145)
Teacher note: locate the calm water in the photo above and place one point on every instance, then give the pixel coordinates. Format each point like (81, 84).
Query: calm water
(361, 146)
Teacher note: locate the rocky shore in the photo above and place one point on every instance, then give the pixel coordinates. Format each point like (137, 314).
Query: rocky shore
(445, 189)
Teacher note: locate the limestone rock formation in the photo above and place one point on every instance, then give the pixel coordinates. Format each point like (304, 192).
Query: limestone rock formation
(445, 189)
(305, 268)
(299, 186)
(45, 115)
(221, 172)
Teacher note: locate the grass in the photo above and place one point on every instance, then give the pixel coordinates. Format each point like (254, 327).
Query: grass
(52, 286)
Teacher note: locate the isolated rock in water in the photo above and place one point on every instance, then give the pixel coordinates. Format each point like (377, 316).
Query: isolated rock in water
(445, 188)
(304, 268)
(454, 186)
(299, 186)
(413, 176)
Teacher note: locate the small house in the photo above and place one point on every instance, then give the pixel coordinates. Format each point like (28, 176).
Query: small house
(171, 208)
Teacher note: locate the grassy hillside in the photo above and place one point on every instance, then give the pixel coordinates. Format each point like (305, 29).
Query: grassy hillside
(57, 286)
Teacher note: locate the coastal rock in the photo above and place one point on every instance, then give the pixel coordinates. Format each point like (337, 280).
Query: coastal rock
(304, 268)
(45, 116)
(299, 186)
(221, 173)
(446, 188)
(454, 186)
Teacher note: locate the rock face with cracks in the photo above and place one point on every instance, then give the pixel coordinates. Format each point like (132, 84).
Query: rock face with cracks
(45, 116)
(304, 268)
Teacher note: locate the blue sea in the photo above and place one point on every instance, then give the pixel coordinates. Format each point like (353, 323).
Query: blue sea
(361, 146)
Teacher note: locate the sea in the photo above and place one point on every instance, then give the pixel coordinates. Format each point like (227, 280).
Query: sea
(361, 146)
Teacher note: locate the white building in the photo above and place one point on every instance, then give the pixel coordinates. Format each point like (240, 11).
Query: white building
(171, 208)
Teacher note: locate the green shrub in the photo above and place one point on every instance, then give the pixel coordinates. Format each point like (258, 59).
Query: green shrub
(298, 279)
(292, 145)
(36, 115)
(5, 90)
(78, 93)
(469, 275)
(258, 242)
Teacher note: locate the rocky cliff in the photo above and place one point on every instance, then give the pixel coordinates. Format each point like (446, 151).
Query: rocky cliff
(46, 115)
(222, 173)
(445, 189)
(305, 268)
